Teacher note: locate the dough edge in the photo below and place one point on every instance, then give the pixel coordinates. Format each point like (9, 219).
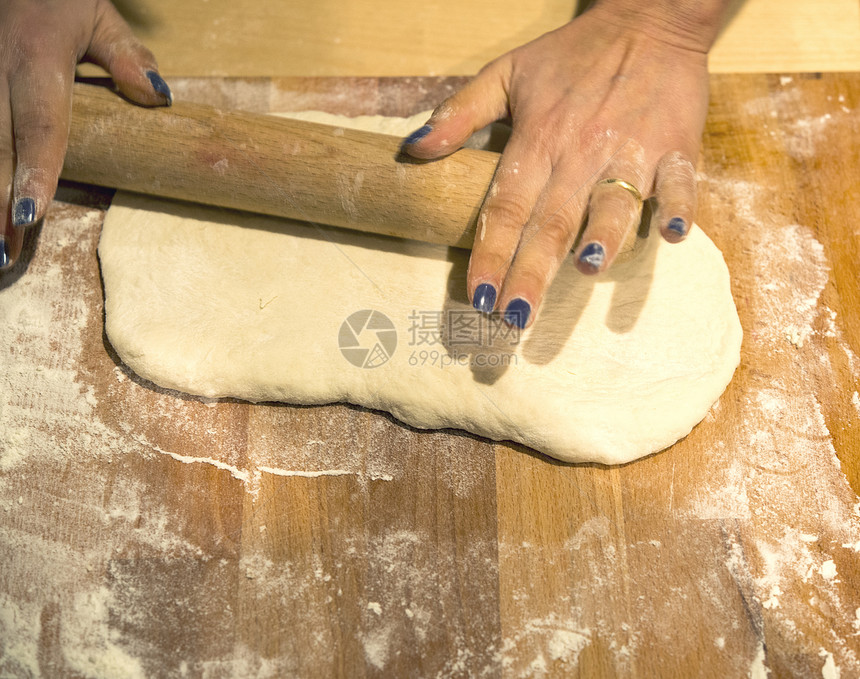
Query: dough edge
(607, 444)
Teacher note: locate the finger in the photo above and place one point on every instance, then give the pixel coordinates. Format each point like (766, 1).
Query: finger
(614, 209)
(516, 186)
(132, 66)
(675, 189)
(480, 102)
(10, 238)
(546, 242)
(40, 94)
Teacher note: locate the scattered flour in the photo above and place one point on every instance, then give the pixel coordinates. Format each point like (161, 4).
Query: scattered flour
(555, 644)
(828, 570)
(88, 644)
(377, 643)
(566, 645)
(772, 601)
(758, 669)
(785, 467)
(829, 670)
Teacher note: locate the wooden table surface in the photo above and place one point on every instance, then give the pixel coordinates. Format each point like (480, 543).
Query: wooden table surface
(450, 37)
(150, 533)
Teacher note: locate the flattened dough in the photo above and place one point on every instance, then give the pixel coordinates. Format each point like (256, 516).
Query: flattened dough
(218, 303)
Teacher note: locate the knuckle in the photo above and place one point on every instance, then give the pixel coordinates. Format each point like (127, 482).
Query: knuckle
(126, 44)
(142, 53)
(495, 69)
(557, 232)
(678, 193)
(29, 46)
(533, 277)
(488, 264)
(676, 163)
(35, 124)
(610, 225)
(36, 34)
(31, 35)
(548, 137)
(446, 108)
(504, 212)
(547, 144)
(595, 133)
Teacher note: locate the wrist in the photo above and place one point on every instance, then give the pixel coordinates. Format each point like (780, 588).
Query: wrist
(689, 24)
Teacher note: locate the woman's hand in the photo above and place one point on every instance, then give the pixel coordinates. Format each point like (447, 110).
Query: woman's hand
(618, 93)
(41, 42)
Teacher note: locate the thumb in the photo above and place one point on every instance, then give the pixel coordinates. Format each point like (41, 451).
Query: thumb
(480, 102)
(132, 66)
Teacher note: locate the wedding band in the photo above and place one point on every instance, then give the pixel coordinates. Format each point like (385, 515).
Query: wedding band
(627, 186)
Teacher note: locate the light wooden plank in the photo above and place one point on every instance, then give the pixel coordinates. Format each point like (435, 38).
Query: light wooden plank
(251, 38)
(773, 36)
(736, 550)
(174, 535)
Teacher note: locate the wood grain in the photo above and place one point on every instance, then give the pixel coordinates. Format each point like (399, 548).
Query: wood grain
(148, 533)
(275, 166)
(252, 38)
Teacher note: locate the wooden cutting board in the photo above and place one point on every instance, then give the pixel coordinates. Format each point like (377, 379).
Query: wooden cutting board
(150, 533)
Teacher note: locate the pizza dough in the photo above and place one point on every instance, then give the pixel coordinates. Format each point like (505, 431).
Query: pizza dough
(219, 303)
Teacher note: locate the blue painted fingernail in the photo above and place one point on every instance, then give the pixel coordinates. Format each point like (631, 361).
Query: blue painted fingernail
(417, 135)
(593, 255)
(517, 312)
(485, 298)
(678, 225)
(24, 212)
(5, 259)
(160, 86)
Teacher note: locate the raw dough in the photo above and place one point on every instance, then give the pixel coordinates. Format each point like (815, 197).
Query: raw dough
(219, 303)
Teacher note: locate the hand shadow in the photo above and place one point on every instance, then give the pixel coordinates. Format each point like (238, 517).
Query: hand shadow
(633, 277)
(571, 290)
(489, 345)
(484, 342)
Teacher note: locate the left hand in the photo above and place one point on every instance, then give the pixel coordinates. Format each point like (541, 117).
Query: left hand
(40, 45)
(599, 98)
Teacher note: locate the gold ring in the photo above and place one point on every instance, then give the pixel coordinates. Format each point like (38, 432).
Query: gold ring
(627, 186)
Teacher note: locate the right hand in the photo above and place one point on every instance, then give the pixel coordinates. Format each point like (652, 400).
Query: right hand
(619, 93)
(41, 43)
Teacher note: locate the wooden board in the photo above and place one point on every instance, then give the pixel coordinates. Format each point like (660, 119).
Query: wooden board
(149, 533)
(448, 37)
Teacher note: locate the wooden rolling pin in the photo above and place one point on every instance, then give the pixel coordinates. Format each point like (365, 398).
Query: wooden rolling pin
(275, 166)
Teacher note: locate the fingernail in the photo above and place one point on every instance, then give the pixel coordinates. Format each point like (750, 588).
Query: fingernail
(517, 312)
(593, 255)
(417, 135)
(160, 86)
(678, 225)
(485, 298)
(24, 212)
(5, 259)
